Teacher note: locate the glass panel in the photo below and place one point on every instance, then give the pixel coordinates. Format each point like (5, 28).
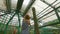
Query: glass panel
(50, 1)
(13, 4)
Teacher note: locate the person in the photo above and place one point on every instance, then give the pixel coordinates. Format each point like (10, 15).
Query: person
(25, 24)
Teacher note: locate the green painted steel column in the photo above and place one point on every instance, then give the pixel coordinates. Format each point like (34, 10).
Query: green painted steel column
(57, 14)
(35, 22)
(19, 5)
(19, 31)
(8, 23)
(8, 5)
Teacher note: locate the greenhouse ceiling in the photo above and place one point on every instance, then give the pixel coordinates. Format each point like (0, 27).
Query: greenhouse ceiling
(39, 5)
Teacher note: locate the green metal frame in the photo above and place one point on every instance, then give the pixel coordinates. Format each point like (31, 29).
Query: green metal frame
(19, 5)
(49, 24)
(19, 31)
(46, 8)
(47, 13)
(8, 5)
(54, 9)
(8, 23)
(56, 12)
(28, 7)
(50, 15)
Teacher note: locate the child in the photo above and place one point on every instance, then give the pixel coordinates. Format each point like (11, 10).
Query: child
(25, 24)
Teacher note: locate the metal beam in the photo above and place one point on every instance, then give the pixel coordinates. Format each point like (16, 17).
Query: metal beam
(45, 14)
(48, 16)
(35, 21)
(46, 8)
(8, 23)
(48, 13)
(54, 9)
(4, 14)
(19, 31)
(19, 4)
(8, 5)
(28, 7)
(49, 25)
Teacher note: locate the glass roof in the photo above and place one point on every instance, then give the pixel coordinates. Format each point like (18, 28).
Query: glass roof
(39, 6)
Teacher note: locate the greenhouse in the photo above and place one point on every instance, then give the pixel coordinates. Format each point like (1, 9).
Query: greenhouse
(43, 16)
